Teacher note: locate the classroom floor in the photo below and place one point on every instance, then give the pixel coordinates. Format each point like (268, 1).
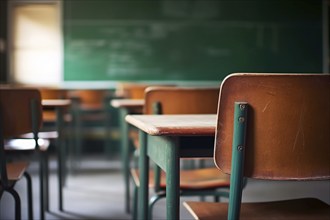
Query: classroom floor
(97, 192)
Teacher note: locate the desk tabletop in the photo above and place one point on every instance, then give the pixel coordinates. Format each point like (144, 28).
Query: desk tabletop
(56, 102)
(174, 125)
(127, 103)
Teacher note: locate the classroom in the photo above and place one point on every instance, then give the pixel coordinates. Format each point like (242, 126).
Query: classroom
(164, 109)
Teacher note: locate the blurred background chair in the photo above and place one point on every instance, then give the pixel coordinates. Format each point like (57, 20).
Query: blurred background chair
(92, 122)
(130, 90)
(57, 127)
(198, 178)
(129, 99)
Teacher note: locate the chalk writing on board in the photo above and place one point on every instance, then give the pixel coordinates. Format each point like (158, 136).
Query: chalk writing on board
(189, 40)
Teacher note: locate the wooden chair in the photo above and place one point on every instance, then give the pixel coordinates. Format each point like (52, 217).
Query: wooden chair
(19, 110)
(50, 132)
(180, 100)
(91, 117)
(52, 126)
(271, 127)
(137, 91)
(48, 114)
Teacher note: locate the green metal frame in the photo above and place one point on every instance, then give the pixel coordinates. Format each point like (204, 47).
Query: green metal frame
(143, 193)
(80, 125)
(43, 160)
(173, 148)
(237, 163)
(61, 160)
(167, 156)
(61, 155)
(125, 152)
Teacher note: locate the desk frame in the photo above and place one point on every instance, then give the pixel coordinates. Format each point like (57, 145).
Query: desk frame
(125, 107)
(166, 149)
(58, 105)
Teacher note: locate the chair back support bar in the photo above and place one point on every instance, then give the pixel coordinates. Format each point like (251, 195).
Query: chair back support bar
(237, 163)
(288, 114)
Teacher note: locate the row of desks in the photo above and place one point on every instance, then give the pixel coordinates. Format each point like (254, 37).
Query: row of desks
(164, 139)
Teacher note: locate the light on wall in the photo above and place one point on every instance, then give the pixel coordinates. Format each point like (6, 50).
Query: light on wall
(36, 44)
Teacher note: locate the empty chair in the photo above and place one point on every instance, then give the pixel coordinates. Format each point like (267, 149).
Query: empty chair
(271, 127)
(184, 100)
(48, 114)
(20, 112)
(91, 117)
(58, 127)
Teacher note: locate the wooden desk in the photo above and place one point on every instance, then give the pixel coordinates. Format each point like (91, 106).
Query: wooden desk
(58, 105)
(165, 139)
(125, 107)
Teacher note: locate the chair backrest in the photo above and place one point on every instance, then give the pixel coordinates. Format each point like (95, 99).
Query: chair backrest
(131, 90)
(287, 134)
(136, 90)
(17, 105)
(90, 98)
(53, 93)
(181, 100)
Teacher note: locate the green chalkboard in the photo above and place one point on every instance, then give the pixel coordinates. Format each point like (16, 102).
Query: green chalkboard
(189, 39)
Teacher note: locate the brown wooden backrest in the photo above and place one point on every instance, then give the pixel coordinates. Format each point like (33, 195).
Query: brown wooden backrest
(288, 132)
(182, 100)
(136, 90)
(15, 110)
(90, 97)
(53, 93)
(131, 90)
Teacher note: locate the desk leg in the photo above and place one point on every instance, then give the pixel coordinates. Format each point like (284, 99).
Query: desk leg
(60, 161)
(144, 177)
(42, 165)
(125, 156)
(172, 182)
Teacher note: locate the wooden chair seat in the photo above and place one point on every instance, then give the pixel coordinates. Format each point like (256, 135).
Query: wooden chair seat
(42, 135)
(92, 106)
(19, 145)
(16, 170)
(197, 179)
(134, 137)
(50, 117)
(93, 117)
(292, 209)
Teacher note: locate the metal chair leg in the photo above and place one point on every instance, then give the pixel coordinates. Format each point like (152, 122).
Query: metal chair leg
(29, 195)
(153, 201)
(135, 202)
(46, 179)
(18, 214)
(42, 185)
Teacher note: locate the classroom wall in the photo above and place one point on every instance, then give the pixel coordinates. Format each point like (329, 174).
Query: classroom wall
(188, 40)
(3, 40)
